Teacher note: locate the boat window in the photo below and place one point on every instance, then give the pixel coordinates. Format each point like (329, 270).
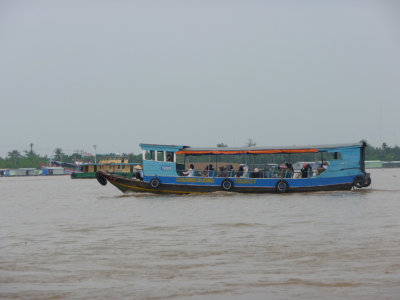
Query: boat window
(149, 155)
(170, 156)
(160, 156)
(336, 155)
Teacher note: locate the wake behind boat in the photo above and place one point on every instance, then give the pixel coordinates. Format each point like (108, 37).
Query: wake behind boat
(342, 167)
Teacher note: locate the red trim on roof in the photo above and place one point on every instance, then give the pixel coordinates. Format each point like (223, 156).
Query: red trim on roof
(272, 151)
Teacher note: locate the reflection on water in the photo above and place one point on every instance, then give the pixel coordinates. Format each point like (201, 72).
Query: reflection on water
(63, 238)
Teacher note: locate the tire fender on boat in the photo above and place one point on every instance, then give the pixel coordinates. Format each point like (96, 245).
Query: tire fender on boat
(227, 185)
(367, 182)
(282, 186)
(358, 182)
(155, 183)
(101, 178)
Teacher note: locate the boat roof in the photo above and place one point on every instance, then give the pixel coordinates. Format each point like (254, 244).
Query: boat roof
(110, 164)
(52, 168)
(158, 147)
(265, 150)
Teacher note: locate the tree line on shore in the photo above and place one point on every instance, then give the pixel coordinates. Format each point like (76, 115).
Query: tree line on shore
(31, 159)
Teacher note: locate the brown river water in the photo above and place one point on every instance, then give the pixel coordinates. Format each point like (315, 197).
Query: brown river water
(75, 239)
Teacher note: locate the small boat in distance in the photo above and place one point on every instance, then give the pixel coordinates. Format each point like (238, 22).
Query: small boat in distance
(115, 164)
(69, 168)
(341, 167)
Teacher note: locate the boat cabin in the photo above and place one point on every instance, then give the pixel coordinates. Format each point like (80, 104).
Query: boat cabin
(258, 162)
(160, 160)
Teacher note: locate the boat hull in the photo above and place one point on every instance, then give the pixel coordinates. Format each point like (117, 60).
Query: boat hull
(190, 185)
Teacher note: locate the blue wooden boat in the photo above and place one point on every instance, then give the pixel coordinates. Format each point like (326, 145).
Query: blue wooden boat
(342, 168)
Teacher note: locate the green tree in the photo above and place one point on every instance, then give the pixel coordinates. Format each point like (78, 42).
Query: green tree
(58, 154)
(76, 156)
(221, 145)
(15, 156)
(132, 158)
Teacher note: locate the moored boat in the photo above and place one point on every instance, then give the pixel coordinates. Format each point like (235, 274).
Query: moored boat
(342, 167)
(69, 168)
(114, 165)
(19, 172)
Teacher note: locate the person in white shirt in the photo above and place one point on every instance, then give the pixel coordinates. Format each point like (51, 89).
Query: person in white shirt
(245, 172)
(189, 172)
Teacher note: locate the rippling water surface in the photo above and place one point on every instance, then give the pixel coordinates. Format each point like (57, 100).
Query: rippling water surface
(75, 239)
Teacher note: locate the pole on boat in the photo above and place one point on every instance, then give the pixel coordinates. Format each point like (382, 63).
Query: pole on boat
(95, 153)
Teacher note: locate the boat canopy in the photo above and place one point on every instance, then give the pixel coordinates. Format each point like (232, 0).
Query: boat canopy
(265, 150)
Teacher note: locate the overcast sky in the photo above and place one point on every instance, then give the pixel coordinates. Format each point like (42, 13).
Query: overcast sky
(74, 74)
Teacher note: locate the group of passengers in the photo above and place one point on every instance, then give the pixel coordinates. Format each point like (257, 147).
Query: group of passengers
(224, 171)
(284, 170)
(209, 171)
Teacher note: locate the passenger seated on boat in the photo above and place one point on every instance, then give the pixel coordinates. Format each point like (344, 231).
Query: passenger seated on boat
(245, 172)
(210, 170)
(190, 172)
(285, 170)
(139, 172)
(205, 171)
(268, 171)
(322, 168)
(297, 175)
(289, 170)
(170, 157)
(306, 171)
(274, 172)
(256, 173)
(223, 172)
(282, 170)
(239, 172)
(230, 171)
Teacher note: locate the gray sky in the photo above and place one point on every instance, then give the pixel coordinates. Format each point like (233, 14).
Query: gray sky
(118, 73)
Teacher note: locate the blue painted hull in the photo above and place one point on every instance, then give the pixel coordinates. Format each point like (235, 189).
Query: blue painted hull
(187, 185)
(253, 182)
(258, 184)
